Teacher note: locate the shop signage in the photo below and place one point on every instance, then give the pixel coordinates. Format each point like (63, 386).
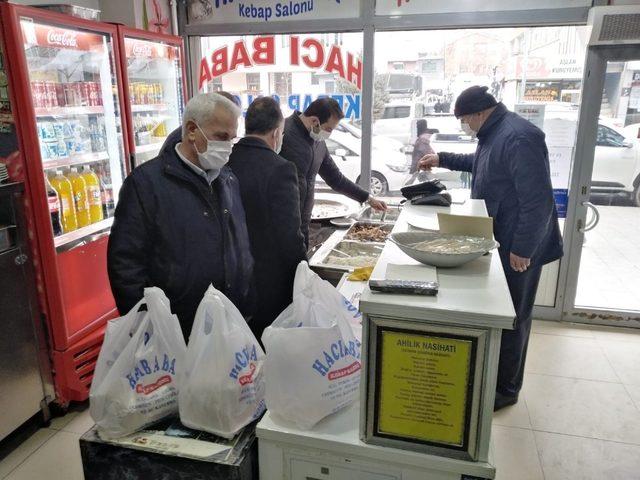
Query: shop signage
(308, 53)
(533, 113)
(47, 36)
(424, 387)
(349, 102)
(216, 12)
(142, 49)
(534, 93)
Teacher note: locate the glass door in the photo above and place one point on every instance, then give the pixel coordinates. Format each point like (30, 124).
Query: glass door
(154, 74)
(606, 264)
(79, 128)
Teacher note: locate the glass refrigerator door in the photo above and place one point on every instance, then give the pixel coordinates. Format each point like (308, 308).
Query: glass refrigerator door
(154, 73)
(75, 96)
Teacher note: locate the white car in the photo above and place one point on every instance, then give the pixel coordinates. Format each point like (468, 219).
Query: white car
(616, 164)
(389, 166)
(398, 120)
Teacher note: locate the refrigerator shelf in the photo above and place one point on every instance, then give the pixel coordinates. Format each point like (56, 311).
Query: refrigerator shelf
(159, 107)
(150, 147)
(66, 240)
(75, 160)
(68, 111)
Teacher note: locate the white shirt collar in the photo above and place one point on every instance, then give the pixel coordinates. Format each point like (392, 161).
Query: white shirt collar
(209, 176)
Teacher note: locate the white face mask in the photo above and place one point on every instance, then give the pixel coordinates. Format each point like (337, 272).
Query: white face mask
(467, 129)
(318, 134)
(216, 155)
(279, 142)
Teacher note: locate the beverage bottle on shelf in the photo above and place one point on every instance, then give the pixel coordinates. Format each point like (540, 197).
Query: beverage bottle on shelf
(54, 207)
(80, 197)
(63, 188)
(93, 190)
(106, 191)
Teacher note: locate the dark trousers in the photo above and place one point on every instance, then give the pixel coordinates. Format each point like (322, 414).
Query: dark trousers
(513, 349)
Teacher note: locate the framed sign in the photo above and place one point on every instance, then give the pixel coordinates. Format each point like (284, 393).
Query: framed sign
(423, 387)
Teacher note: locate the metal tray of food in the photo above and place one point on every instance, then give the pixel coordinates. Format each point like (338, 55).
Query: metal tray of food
(369, 232)
(389, 216)
(348, 254)
(325, 209)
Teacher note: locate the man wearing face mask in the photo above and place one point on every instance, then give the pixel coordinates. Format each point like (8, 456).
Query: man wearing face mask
(175, 137)
(180, 224)
(304, 145)
(510, 172)
(269, 189)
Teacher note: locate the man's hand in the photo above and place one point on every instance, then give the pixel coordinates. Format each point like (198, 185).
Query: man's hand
(519, 264)
(376, 204)
(429, 161)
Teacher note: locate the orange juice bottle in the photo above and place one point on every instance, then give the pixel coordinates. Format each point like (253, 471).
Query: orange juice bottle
(80, 197)
(93, 191)
(62, 186)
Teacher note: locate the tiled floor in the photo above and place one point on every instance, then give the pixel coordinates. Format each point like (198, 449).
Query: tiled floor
(578, 417)
(610, 265)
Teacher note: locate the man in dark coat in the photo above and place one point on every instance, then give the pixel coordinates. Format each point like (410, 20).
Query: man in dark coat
(269, 189)
(304, 146)
(510, 172)
(180, 224)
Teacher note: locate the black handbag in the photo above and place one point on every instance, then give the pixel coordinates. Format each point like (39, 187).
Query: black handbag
(442, 199)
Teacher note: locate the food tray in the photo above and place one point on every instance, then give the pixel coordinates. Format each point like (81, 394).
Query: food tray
(390, 216)
(355, 232)
(325, 209)
(348, 254)
(474, 248)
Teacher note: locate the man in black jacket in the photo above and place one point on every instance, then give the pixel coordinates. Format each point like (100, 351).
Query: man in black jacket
(180, 224)
(269, 189)
(304, 145)
(511, 174)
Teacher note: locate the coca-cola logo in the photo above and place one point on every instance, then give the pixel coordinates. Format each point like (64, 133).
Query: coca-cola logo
(64, 39)
(142, 50)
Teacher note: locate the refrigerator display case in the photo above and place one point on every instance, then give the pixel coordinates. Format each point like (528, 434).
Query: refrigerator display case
(154, 77)
(65, 77)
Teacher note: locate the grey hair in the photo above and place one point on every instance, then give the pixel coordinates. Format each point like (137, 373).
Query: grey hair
(201, 107)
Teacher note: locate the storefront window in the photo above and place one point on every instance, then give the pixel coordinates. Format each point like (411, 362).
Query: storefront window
(294, 69)
(419, 75)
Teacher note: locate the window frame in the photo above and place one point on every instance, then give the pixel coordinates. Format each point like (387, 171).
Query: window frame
(368, 23)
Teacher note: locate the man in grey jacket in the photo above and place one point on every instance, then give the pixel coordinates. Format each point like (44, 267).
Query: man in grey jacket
(304, 145)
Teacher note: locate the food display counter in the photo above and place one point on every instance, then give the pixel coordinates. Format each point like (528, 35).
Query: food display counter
(429, 367)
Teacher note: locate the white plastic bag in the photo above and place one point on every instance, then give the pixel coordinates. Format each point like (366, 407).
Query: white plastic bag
(135, 382)
(222, 388)
(313, 366)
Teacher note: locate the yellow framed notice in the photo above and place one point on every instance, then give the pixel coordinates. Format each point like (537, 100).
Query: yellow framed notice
(424, 387)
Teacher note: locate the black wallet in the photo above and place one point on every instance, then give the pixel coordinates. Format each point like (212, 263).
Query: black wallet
(442, 199)
(425, 188)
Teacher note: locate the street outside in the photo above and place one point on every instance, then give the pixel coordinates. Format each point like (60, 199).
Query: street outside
(610, 266)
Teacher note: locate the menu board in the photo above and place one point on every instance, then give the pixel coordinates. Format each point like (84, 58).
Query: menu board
(424, 387)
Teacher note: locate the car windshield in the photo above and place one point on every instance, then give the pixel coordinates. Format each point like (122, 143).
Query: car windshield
(402, 111)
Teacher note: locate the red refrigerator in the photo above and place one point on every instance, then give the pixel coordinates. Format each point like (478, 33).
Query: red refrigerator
(154, 75)
(65, 83)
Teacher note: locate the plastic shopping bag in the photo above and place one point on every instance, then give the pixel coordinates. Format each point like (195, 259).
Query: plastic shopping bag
(222, 388)
(135, 382)
(313, 366)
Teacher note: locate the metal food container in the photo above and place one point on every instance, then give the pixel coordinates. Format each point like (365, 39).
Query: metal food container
(366, 232)
(390, 215)
(348, 255)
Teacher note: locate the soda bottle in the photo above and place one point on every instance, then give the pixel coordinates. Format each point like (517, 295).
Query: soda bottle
(80, 197)
(63, 188)
(93, 190)
(54, 207)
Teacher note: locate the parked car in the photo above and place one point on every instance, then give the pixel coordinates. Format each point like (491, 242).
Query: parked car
(389, 166)
(616, 164)
(398, 120)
